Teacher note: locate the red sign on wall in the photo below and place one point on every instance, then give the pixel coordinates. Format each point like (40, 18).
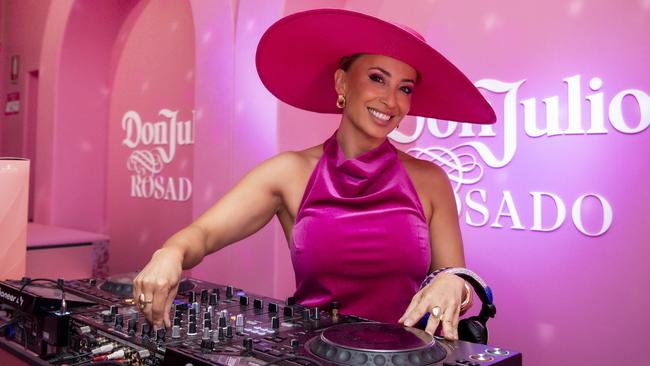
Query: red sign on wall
(13, 103)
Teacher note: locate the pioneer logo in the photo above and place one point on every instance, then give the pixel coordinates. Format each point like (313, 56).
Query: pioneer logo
(11, 298)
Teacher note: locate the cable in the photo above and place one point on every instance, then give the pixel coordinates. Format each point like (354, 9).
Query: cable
(293, 357)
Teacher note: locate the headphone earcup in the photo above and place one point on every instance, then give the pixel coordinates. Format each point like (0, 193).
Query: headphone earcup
(472, 330)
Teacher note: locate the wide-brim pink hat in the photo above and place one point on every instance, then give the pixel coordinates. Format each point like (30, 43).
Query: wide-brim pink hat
(298, 55)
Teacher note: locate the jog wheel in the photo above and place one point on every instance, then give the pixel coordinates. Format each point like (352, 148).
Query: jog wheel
(376, 344)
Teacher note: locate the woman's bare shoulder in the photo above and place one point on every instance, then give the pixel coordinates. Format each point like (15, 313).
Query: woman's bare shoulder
(302, 159)
(419, 169)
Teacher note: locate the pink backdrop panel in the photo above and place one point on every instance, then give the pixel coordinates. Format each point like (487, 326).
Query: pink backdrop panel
(552, 199)
(151, 132)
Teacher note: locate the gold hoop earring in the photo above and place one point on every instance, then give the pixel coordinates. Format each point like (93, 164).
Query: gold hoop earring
(340, 101)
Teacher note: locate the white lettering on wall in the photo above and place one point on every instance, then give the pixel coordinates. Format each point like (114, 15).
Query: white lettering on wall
(464, 162)
(154, 146)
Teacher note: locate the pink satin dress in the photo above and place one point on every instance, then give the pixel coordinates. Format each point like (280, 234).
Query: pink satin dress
(360, 237)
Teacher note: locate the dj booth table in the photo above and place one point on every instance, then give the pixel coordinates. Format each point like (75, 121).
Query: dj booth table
(214, 325)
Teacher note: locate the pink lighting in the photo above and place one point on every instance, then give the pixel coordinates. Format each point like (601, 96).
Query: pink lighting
(148, 111)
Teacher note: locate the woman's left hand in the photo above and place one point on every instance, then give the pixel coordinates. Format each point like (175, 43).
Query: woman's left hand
(445, 292)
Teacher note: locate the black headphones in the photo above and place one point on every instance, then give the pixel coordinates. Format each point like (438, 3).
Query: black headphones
(473, 329)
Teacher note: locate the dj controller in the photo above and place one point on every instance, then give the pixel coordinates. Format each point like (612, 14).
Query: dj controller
(212, 325)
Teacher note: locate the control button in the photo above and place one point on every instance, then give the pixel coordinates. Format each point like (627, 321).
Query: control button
(275, 323)
(379, 360)
(243, 300)
(177, 321)
(229, 332)
(191, 318)
(258, 304)
(191, 297)
(291, 301)
(248, 344)
(205, 334)
(316, 313)
(176, 331)
(204, 296)
(191, 328)
(274, 352)
(273, 307)
(207, 323)
(133, 325)
(206, 344)
(222, 322)
(230, 292)
(306, 314)
(222, 333)
(160, 335)
(481, 357)
(119, 321)
(288, 312)
(295, 343)
(113, 309)
(414, 358)
(399, 360)
(497, 351)
(239, 320)
(146, 329)
(214, 298)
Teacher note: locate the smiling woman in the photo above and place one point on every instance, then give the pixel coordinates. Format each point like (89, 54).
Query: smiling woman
(362, 219)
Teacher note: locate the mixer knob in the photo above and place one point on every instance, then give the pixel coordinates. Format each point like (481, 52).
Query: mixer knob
(210, 311)
(243, 300)
(177, 321)
(214, 298)
(316, 313)
(178, 313)
(191, 328)
(146, 329)
(113, 309)
(191, 311)
(206, 344)
(191, 318)
(275, 323)
(191, 297)
(119, 321)
(258, 304)
(133, 325)
(160, 335)
(229, 331)
(207, 323)
(295, 343)
(206, 333)
(222, 321)
(92, 282)
(239, 321)
(196, 307)
(204, 296)
(206, 315)
(273, 307)
(222, 333)
(248, 344)
(306, 314)
(107, 317)
(288, 312)
(230, 292)
(176, 331)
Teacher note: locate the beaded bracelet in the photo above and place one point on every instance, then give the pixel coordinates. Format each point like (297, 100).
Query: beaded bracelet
(467, 298)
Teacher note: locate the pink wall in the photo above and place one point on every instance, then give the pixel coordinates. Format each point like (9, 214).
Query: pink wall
(150, 132)
(558, 292)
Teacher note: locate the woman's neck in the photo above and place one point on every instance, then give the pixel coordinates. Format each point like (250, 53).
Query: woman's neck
(354, 142)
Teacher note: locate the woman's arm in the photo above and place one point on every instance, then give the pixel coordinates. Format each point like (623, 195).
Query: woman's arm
(446, 290)
(246, 208)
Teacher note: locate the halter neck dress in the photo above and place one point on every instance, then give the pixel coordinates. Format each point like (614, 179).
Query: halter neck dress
(360, 237)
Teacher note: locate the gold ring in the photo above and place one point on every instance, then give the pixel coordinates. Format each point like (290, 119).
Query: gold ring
(436, 311)
(142, 301)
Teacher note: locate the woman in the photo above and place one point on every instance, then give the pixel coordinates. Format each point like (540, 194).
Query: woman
(365, 222)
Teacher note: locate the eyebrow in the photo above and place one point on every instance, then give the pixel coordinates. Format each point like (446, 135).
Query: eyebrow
(388, 73)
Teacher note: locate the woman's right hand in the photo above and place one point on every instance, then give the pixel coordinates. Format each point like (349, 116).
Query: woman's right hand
(155, 287)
